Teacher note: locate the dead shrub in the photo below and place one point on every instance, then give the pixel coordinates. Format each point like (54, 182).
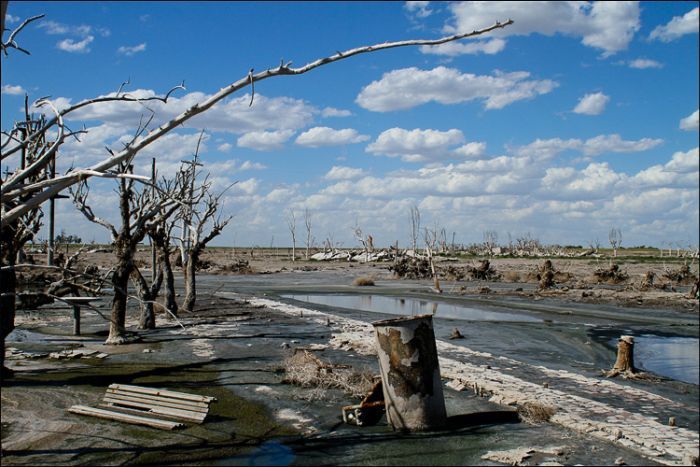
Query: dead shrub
(363, 281)
(483, 271)
(412, 268)
(612, 275)
(535, 413)
(681, 276)
(305, 369)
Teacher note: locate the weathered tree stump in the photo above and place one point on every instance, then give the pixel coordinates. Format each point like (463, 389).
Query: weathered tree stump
(624, 364)
(410, 373)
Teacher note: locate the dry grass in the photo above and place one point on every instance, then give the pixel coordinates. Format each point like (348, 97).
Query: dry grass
(535, 413)
(511, 276)
(308, 371)
(363, 281)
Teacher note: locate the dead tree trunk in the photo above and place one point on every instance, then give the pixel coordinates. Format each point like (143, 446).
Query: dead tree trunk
(120, 283)
(624, 364)
(190, 281)
(147, 295)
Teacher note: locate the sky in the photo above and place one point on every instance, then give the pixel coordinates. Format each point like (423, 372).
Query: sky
(578, 118)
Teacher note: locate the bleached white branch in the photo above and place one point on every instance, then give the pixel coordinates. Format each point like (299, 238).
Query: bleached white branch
(60, 183)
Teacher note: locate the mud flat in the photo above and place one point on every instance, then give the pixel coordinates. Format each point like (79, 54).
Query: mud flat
(233, 346)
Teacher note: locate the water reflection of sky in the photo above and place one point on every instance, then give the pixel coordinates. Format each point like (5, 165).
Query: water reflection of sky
(411, 306)
(673, 357)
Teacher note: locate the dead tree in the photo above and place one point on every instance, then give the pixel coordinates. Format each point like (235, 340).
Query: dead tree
(137, 211)
(309, 237)
(292, 225)
(490, 240)
(615, 238)
(415, 227)
(201, 209)
(161, 234)
(430, 238)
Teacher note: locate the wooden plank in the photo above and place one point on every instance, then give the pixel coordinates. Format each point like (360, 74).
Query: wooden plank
(166, 402)
(182, 414)
(130, 401)
(202, 405)
(159, 415)
(163, 392)
(133, 419)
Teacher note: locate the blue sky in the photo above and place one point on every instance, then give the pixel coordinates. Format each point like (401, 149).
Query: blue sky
(577, 118)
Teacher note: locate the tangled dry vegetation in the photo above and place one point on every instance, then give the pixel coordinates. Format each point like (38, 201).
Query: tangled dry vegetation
(535, 413)
(305, 369)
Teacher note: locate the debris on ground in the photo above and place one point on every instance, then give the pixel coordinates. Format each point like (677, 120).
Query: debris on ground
(484, 271)
(681, 276)
(612, 275)
(369, 411)
(305, 369)
(412, 268)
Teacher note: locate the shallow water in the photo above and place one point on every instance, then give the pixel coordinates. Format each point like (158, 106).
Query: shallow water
(412, 306)
(673, 357)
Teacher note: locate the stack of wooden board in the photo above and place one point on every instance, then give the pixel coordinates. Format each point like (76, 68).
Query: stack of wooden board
(139, 405)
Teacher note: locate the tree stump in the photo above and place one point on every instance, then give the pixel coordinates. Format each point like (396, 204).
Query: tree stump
(624, 364)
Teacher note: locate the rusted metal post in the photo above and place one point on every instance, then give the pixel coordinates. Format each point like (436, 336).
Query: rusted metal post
(410, 373)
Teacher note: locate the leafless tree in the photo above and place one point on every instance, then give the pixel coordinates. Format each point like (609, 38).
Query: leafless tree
(309, 237)
(415, 227)
(490, 241)
(161, 234)
(201, 213)
(292, 224)
(615, 238)
(430, 237)
(137, 209)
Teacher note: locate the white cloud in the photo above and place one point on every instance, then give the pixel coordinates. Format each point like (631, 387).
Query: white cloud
(264, 140)
(410, 87)
(592, 104)
(69, 45)
(323, 136)
(452, 49)
(608, 26)
(9, 19)
(419, 8)
(344, 173)
(248, 165)
(546, 149)
(129, 51)
(13, 90)
(415, 145)
(677, 27)
(333, 112)
(224, 147)
(643, 63)
(472, 149)
(690, 123)
(614, 143)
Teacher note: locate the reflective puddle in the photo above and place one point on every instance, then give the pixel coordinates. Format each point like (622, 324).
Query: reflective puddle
(412, 306)
(673, 357)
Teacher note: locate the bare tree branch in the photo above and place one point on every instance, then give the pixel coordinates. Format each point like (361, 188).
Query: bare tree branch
(61, 183)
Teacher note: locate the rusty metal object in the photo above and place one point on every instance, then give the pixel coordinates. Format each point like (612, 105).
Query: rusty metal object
(369, 411)
(410, 373)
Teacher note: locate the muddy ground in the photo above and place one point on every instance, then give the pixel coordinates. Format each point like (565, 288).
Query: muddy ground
(234, 348)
